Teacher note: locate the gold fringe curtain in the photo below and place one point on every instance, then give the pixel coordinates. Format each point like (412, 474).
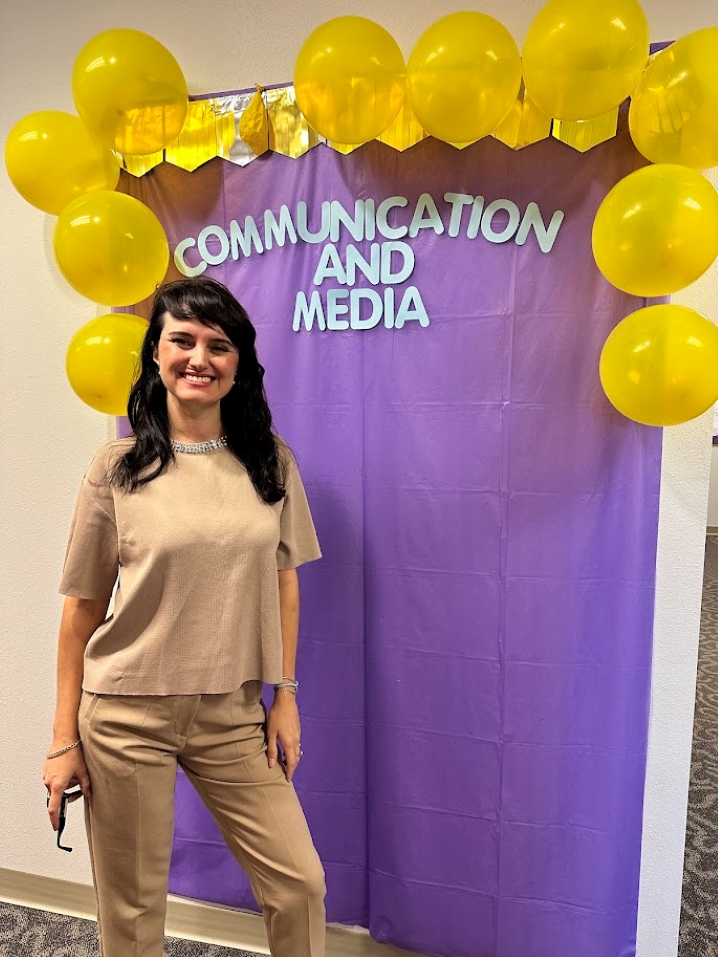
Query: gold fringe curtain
(212, 129)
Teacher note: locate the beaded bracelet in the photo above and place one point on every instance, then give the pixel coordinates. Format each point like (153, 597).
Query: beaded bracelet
(56, 754)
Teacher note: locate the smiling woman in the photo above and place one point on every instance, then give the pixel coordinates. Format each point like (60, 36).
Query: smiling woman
(207, 609)
(195, 362)
(200, 379)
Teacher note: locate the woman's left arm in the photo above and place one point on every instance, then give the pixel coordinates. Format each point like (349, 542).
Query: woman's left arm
(283, 719)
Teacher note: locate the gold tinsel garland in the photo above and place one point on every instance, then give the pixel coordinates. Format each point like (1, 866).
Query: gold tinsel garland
(214, 126)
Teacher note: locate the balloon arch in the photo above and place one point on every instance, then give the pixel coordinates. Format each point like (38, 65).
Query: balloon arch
(655, 233)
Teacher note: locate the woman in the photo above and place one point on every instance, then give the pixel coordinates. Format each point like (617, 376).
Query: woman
(204, 515)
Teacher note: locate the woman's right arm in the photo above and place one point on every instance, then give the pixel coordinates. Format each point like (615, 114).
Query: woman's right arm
(80, 618)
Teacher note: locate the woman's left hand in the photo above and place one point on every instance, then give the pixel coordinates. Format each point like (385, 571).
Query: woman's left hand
(283, 727)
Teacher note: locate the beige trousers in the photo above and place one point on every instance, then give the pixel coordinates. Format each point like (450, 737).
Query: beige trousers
(132, 746)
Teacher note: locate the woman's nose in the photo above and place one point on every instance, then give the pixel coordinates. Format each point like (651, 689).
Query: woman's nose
(198, 357)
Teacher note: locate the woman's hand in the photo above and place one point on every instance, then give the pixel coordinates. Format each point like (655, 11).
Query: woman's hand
(61, 773)
(283, 727)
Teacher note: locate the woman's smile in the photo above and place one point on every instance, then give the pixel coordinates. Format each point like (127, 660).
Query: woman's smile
(197, 380)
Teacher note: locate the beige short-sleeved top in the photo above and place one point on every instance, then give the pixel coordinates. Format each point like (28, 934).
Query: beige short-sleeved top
(197, 605)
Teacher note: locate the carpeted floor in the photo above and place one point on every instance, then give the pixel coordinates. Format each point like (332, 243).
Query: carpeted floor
(36, 933)
(31, 933)
(699, 914)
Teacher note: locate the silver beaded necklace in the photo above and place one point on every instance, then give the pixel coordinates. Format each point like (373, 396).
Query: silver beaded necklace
(198, 448)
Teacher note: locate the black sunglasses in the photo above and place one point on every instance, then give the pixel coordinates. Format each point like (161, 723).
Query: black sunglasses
(64, 801)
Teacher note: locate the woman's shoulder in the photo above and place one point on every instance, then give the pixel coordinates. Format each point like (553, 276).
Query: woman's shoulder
(285, 455)
(107, 456)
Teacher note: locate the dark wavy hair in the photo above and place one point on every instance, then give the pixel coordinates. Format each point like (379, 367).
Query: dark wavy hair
(245, 413)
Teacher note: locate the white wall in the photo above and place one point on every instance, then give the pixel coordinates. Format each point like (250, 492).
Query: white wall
(713, 489)
(679, 579)
(48, 436)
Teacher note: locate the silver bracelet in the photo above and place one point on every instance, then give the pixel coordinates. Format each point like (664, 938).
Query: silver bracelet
(56, 754)
(289, 683)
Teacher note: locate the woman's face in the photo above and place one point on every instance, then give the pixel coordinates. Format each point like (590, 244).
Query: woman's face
(197, 363)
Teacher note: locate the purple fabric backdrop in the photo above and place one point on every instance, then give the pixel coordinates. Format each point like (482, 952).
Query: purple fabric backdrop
(476, 644)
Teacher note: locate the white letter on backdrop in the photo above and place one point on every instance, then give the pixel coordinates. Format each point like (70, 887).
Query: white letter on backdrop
(183, 266)
(308, 312)
(244, 240)
(369, 269)
(458, 201)
(412, 307)
(374, 317)
(389, 307)
(546, 235)
(214, 259)
(340, 217)
(278, 231)
(509, 229)
(405, 250)
(369, 219)
(425, 204)
(472, 229)
(390, 232)
(336, 308)
(330, 266)
(303, 226)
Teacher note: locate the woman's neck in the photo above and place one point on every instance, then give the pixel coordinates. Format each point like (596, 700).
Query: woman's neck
(190, 426)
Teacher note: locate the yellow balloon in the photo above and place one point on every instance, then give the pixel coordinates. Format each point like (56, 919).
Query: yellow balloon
(130, 91)
(51, 159)
(103, 359)
(463, 76)
(111, 248)
(657, 230)
(582, 58)
(660, 365)
(349, 80)
(674, 111)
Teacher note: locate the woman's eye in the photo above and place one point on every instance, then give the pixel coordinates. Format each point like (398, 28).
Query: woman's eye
(221, 349)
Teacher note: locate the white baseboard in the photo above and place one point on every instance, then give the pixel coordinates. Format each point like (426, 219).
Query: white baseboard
(712, 530)
(190, 920)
